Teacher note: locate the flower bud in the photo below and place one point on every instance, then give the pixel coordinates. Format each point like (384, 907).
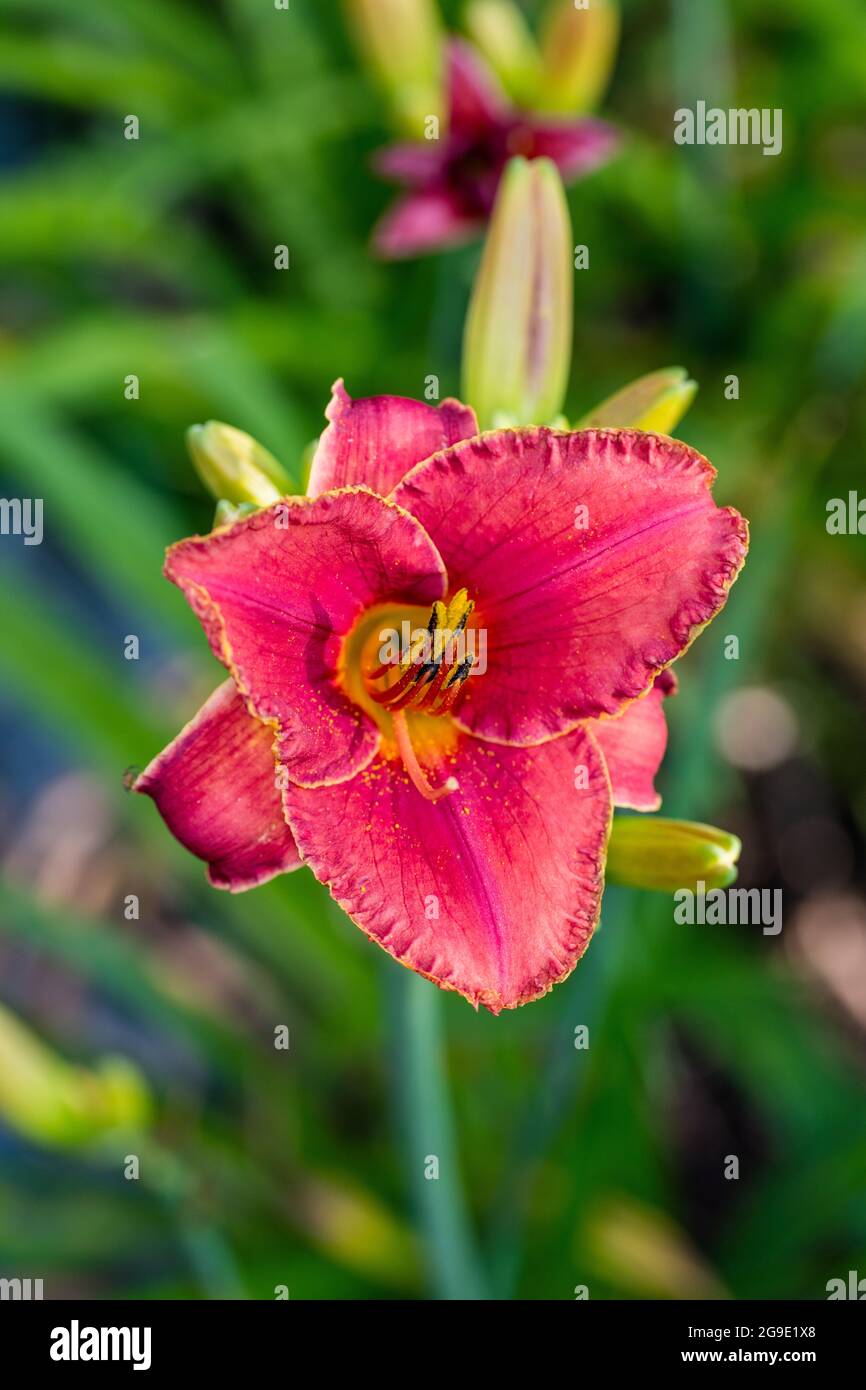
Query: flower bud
(578, 50)
(517, 339)
(655, 402)
(233, 466)
(402, 43)
(666, 855)
(501, 34)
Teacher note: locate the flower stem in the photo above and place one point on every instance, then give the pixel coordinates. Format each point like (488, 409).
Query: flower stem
(427, 1121)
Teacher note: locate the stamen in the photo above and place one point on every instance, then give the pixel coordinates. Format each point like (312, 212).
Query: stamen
(453, 687)
(393, 692)
(410, 761)
(431, 693)
(431, 684)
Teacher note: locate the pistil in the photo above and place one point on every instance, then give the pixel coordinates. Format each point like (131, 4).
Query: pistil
(416, 772)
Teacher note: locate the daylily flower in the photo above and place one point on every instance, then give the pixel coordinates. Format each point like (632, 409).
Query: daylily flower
(452, 180)
(460, 820)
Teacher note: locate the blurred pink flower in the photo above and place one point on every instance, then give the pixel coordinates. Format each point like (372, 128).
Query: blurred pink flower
(452, 181)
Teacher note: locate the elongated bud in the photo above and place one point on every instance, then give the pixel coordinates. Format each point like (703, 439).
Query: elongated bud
(578, 50)
(233, 466)
(517, 339)
(653, 852)
(657, 402)
(402, 43)
(52, 1102)
(640, 1249)
(499, 31)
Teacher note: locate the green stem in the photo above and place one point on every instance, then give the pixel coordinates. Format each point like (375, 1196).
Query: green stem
(427, 1120)
(562, 1082)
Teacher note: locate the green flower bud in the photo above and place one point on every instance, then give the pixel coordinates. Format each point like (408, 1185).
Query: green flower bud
(402, 43)
(656, 402)
(517, 339)
(665, 855)
(499, 31)
(234, 466)
(578, 51)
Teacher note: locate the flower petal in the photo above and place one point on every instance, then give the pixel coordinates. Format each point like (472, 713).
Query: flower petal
(216, 790)
(417, 164)
(278, 591)
(634, 744)
(475, 100)
(375, 441)
(494, 891)
(593, 558)
(426, 220)
(574, 146)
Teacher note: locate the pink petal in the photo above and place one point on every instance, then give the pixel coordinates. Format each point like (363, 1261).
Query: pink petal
(574, 146)
(414, 164)
(494, 891)
(594, 559)
(633, 744)
(424, 221)
(215, 788)
(278, 591)
(475, 100)
(377, 440)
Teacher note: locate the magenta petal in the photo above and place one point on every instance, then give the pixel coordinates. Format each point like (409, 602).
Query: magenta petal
(493, 891)
(416, 164)
(475, 100)
(277, 593)
(593, 558)
(574, 146)
(634, 745)
(215, 788)
(421, 221)
(375, 441)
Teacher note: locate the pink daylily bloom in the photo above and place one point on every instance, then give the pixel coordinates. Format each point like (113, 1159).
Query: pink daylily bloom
(451, 182)
(214, 786)
(634, 743)
(460, 820)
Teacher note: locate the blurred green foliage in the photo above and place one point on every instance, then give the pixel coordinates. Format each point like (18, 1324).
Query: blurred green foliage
(156, 258)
